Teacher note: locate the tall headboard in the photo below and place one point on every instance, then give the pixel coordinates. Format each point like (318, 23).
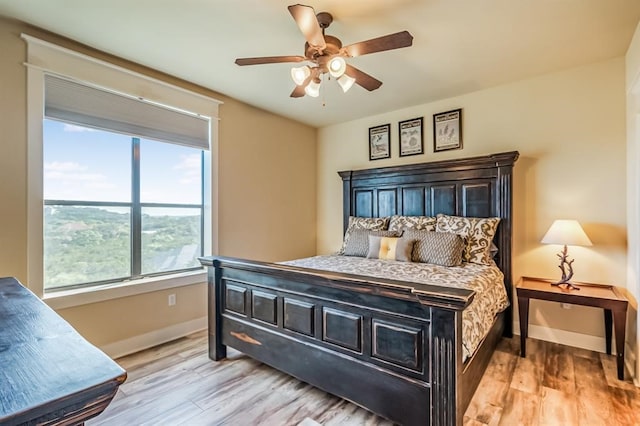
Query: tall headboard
(473, 187)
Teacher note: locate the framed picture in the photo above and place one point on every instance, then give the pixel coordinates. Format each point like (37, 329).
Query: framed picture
(411, 141)
(379, 146)
(447, 130)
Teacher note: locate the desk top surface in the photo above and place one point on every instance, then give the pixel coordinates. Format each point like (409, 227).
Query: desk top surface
(587, 290)
(44, 363)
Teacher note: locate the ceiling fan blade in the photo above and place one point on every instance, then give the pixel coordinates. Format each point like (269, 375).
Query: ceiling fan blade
(306, 19)
(380, 44)
(362, 78)
(269, 60)
(298, 92)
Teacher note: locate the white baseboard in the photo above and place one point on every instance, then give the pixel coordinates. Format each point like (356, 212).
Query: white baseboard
(153, 338)
(579, 340)
(569, 338)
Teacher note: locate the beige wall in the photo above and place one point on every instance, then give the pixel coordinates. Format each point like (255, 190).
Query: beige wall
(633, 174)
(267, 185)
(569, 128)
(267, 180)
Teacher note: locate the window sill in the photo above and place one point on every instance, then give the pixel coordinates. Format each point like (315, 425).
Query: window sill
(84, 296)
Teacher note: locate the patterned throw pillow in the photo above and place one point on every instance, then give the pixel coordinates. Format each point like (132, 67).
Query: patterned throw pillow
(439, 248)
(477, 232)
(426, 223)
(390, 248)
(358, 242)
(370, 223)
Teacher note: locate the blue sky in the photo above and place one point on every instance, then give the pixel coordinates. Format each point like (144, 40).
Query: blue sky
(93, 165)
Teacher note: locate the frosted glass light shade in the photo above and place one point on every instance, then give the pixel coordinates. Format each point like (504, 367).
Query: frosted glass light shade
(346, 82)
(337, 66)
(300, 74)
(566, 232)
(313, 88)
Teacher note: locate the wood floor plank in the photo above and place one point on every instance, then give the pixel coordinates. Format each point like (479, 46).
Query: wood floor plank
(351, 414)
(529, 371)
(510, 346)
(626, 406)
(176, 383)
(593, 401)
(502, 366)
(522, 408)
(488, 402)
(557, 408)
(558, 369)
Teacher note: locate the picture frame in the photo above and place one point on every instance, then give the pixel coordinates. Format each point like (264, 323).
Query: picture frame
(447, 130)
(410, 137)
(379, 142)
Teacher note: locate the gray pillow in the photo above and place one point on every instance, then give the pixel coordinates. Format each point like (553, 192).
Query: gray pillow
(358, 242)
(390, 248)
(357, 222)
(439, 248)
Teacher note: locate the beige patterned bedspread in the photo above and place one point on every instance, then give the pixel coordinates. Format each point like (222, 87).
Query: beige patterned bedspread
(486, 281)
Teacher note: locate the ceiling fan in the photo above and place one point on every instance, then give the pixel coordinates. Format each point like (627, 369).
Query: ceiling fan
(327, 55)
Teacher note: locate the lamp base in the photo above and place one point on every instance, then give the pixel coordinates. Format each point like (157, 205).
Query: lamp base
(566, 266)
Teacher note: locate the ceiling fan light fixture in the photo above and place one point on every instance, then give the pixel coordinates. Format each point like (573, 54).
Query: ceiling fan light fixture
(346, 82)
(313, 88)
(300, 74)
(337, 66)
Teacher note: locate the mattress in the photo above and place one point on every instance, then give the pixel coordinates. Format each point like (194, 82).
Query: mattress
(486, 280)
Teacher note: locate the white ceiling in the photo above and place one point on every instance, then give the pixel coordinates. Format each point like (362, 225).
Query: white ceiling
(459, 46)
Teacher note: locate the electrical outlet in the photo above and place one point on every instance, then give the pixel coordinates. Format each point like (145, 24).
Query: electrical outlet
(172, 299)
(565, 305)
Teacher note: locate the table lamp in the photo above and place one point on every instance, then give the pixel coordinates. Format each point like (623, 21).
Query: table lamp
(566, 233)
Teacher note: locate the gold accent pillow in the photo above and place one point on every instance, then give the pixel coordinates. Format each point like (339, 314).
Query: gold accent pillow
(420, 223)
(357, 222)
(390, 248)
(477, 232)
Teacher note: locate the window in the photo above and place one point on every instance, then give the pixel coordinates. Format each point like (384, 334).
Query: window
(117, 207)
(97, 134)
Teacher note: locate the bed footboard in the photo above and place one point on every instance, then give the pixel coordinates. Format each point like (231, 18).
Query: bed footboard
(377, 343)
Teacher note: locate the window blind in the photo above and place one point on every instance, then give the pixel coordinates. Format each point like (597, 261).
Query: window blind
(84, 105)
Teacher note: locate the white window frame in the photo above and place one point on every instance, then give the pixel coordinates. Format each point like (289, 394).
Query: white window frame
(47, 58)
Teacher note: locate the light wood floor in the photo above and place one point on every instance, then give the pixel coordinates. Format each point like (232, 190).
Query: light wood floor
(177, 384)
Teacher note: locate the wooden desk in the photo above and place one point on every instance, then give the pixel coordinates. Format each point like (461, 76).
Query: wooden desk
(607, 297)
(49, 374)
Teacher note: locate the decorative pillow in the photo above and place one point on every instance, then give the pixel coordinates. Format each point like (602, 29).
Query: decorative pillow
(440, 248)
(370, 223)
(477, 232)
(358, 242)
(390, 248)
(398, 223)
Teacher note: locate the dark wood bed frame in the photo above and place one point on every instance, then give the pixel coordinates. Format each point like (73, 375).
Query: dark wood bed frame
(388, 346)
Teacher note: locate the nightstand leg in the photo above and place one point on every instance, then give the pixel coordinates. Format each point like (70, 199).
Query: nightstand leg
(608, 328)
(620, 324)
(523, 311)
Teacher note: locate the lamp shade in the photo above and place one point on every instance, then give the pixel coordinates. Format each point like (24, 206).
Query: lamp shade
(300, 74)
(337, 66)
(346, 82)
(313, 88)
(566, 232)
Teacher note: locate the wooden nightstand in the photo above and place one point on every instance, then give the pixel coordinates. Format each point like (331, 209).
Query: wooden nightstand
(607, 297)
